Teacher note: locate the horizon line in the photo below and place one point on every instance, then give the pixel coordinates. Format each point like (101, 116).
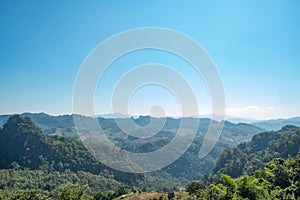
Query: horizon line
(106, 115)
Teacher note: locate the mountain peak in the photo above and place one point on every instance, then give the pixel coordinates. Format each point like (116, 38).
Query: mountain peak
(290, 128)
(16, 124)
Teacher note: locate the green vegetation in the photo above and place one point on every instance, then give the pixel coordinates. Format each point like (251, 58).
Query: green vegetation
(194, 186)
(248, 157)
(280, 179)
(37, 166)
(42, 179)
(267, 167)
(62, 153)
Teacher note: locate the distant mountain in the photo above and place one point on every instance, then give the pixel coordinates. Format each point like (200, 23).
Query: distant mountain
(115, 115)
(63, 125)
(248, 157)
(276, 124)
(189, 165)
(31, 153)
(237, 120)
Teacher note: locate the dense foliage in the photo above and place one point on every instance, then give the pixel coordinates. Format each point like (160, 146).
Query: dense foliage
(14, 182)
(248, 157)
(280, 179)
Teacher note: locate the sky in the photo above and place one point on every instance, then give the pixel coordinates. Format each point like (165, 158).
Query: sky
(255, 46)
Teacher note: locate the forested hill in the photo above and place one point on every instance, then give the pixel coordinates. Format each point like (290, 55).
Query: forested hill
(66, 153)
(248, 157)
(22, 143)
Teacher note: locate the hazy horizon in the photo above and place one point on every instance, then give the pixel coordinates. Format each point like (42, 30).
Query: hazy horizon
(123, 115)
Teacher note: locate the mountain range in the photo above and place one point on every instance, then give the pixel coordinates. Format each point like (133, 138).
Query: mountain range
(59, 124)
(277, 124)
(37, 156)
(51, 128)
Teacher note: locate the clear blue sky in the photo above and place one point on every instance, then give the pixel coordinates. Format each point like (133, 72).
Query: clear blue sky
(255, 45)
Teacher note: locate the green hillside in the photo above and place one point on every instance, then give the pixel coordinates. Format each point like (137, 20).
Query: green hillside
(279, 180)
(48, 167)
(248, 157)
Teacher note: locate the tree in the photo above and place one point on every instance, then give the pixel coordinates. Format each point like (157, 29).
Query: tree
(247, 189)
(73, 192)
(194, 186)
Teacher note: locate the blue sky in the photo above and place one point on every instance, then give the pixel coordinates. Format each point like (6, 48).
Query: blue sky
(254, 44)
